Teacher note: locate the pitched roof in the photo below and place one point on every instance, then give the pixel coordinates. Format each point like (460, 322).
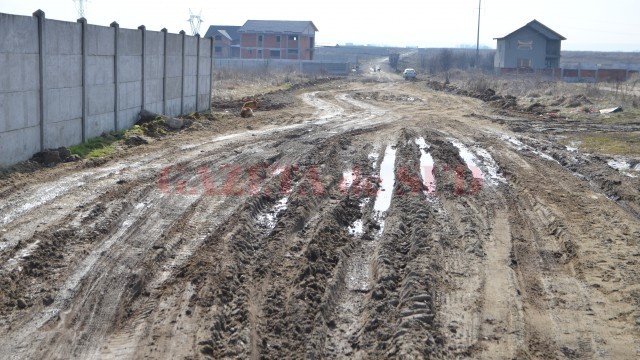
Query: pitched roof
(541, 29)
(230, 31)
(277, 26)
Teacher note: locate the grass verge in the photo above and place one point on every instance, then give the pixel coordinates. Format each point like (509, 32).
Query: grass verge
(611, 143)
(99, 146)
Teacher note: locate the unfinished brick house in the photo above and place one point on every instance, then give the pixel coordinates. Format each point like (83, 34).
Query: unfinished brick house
(276, 39)
(226, 41)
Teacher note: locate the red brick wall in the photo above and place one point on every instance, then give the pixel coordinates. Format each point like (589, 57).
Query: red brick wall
(269, 41)
(612, 75)
(248, 40)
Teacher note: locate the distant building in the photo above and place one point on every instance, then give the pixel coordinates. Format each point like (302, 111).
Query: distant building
(533, 46)
(226, 41)
(274, 39)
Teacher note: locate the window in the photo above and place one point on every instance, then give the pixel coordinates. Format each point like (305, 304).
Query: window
(293, 37)
(525, 44)
(259, 38)
(218, 37)
(278, 38)
(292, 51)
(274, 53)
(218, 49)
(524, 63)
(250, 51)
(259, 52)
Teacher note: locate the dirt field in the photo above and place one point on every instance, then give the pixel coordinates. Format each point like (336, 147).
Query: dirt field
(366, 218)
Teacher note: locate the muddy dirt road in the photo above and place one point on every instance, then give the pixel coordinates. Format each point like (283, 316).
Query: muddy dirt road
(370, 219)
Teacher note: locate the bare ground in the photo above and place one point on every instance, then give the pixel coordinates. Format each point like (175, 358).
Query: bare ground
(320, 229)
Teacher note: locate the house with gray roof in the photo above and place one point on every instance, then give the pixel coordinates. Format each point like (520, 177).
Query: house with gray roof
(277, 39)
(533, 46)
(226, 40)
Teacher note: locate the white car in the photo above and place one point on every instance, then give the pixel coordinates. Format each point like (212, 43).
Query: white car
(409, 74)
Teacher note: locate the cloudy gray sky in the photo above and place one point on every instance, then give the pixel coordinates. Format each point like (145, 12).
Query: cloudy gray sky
(587, 24)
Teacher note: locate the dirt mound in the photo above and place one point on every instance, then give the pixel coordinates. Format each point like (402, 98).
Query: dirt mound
(405, 98)
(53, 157)
(273, 100)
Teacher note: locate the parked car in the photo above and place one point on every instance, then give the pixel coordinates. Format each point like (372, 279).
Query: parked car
(409, 74)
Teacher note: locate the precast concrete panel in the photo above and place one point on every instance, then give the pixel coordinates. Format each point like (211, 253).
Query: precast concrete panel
(99, 124)
(19, 109)
(129, 95)
(173, 107)
(129, 68)
(174, 88)
(63, 38)
(19, 34)
(153, 67)
(100, 99)
(63, 71)
(189, 104)
(154, 43)
(100, 40)
(63, 104)
(128, 117)
(189, 86)
(19, 72)
(174, 66)
(153, 90)
(191, 46)
(174, 45)
(129, 42)
(63, 133)
(19, 145)
(99, 70)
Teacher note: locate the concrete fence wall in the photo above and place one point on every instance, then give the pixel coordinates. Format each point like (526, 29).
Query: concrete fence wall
(590, 74)
(261, 66)
(62, 83)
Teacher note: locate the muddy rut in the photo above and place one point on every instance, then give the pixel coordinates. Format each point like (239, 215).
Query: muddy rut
(400, 225)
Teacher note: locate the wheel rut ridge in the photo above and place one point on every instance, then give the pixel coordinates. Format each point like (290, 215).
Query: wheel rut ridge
(402, 316)
(236, 290)
(307, 263)
(62, 244)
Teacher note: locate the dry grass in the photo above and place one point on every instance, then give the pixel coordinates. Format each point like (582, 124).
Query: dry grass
(551, 93)
(231, 85)
(611, 143)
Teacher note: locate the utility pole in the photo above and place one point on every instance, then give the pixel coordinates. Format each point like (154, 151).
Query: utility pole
(478, 38)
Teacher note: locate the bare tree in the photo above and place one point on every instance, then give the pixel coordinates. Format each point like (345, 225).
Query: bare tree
(445, 62)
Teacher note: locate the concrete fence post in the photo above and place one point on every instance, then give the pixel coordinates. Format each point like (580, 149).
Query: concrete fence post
(182, 83)
(211, 74)
(116, 105)
(41, 48)
(85, 101)
(197, 71)
(164, 74)
(144, 50)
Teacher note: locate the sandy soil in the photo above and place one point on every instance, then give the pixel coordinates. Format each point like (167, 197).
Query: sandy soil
(367, 218)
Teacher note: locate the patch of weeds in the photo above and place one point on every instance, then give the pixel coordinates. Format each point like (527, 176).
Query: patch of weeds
(99, 146)
(135, 130)
(612, 143)
(626, 116)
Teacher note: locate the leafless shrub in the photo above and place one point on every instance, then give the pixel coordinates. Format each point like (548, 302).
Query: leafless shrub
(593, 91)
(480, 83)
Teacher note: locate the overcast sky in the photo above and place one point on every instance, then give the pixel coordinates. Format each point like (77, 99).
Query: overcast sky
(587, 24)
